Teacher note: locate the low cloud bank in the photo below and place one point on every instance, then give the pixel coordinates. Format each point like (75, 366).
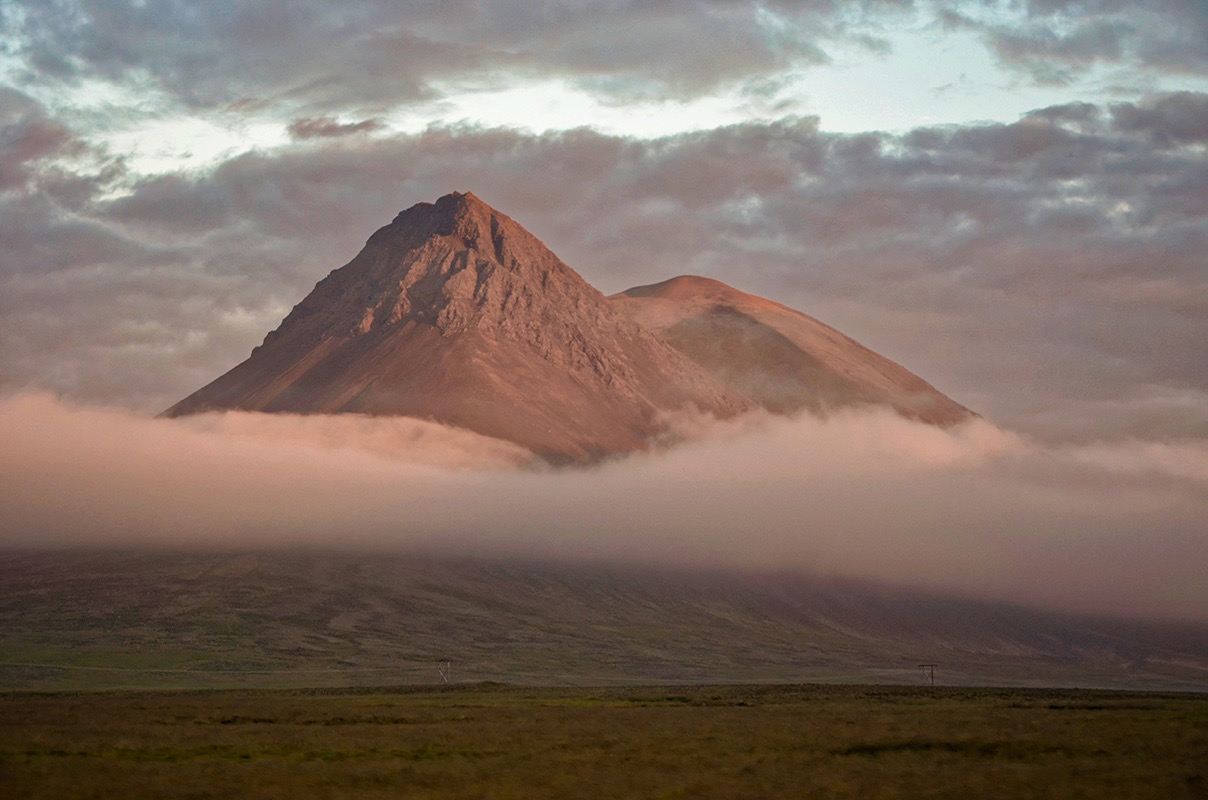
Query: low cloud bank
(1115, 527)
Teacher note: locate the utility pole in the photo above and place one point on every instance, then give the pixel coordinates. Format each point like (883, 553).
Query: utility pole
(446, 671)
(929, 669)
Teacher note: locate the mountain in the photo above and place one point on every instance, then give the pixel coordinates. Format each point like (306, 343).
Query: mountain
(454, 312)
(780, 358)
(309, 618)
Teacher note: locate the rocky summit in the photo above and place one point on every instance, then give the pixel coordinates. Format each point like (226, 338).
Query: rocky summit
(455, 313)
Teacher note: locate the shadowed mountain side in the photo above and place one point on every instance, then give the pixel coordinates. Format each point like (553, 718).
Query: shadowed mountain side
(784, 360)
(456, 313)
(174, 619)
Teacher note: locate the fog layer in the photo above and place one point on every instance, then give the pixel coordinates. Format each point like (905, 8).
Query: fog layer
(1115, 527)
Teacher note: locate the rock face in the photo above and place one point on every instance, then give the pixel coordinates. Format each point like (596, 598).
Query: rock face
(454, 312)
(780, 358)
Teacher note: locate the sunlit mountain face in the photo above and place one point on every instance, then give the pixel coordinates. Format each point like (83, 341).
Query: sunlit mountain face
(455, 313)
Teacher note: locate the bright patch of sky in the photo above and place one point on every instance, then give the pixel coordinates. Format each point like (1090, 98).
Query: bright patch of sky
(928, 76)
(559, 105)
(182, 143)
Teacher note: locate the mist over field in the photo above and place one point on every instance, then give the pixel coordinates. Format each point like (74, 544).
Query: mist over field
(1104, 527)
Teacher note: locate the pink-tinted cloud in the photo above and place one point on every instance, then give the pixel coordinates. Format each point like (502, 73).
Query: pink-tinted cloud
(329, 127)
(1107, 527)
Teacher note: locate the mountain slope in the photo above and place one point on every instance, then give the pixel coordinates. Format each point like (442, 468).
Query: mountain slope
(784, 360)
(309, 618)
(456, 313)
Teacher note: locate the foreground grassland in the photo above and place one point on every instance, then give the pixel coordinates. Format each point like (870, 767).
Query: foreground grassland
(491, 741)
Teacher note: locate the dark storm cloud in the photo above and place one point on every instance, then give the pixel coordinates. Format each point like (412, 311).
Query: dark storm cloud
(1054, 40)
(368, 55)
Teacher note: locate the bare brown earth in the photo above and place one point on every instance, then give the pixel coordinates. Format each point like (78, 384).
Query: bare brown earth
(784, 360)
(456, 313)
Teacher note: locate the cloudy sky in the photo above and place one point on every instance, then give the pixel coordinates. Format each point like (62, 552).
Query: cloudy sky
(1009, 198)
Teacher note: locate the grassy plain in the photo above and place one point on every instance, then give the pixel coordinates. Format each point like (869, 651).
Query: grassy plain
(494, 741)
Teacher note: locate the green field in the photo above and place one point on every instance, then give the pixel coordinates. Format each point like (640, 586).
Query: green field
(488, 740)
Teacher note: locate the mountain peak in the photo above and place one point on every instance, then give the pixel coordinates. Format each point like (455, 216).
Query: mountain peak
(451, 205)
(688, 286)
(464, 211)
(457, 216)
(461, 200)
(455, 312)
(452, 264)
(779, 357)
